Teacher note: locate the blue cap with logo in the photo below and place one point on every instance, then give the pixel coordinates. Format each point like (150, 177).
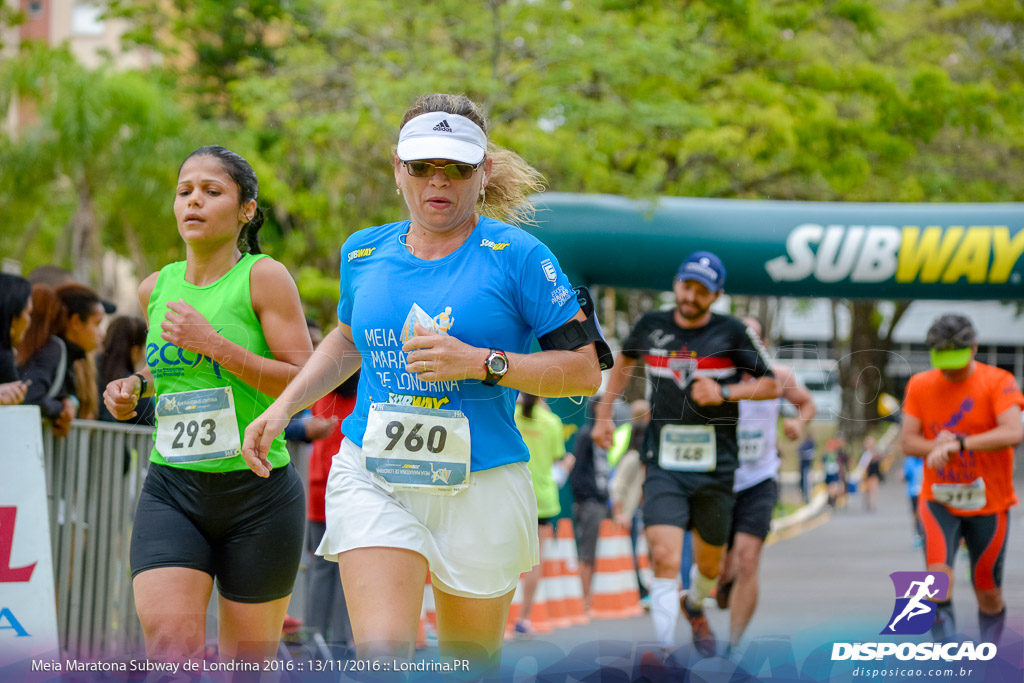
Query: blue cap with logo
(705, 268)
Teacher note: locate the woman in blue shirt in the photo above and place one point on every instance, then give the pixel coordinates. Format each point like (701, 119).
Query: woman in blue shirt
(440, 311)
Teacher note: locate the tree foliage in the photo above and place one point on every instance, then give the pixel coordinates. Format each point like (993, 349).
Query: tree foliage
(841, 100)
(92, 168)
(849, 100)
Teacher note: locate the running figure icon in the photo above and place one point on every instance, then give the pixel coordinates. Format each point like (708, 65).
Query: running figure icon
(916, 607)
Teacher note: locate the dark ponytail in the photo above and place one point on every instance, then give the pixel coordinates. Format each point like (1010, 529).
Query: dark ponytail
(248, 189)
(248, 240)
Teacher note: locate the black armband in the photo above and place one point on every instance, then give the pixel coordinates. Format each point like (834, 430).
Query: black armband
(575, 334)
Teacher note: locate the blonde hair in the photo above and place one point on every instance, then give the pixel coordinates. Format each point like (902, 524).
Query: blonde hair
(512, 180)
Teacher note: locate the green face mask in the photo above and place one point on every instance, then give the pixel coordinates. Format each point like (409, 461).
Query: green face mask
(950, 359)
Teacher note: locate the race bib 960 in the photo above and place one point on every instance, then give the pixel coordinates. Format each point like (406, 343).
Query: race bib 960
(408, 448)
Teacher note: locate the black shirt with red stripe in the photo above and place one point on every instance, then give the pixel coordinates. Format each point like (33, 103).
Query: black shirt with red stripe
(723, 350)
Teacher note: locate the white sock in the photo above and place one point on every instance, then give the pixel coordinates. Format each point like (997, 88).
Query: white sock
(665, 610)
(700, 588)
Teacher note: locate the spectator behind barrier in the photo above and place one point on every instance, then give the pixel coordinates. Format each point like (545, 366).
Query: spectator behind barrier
(82, 334)
(15, 313)
(124, 353)
(43, 360)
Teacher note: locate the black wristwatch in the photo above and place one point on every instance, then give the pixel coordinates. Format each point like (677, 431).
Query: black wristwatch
(963, 446)
(495, 366)
(725, 391)
(143, 384)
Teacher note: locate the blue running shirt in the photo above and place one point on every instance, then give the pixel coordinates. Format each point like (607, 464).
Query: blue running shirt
(498, 290)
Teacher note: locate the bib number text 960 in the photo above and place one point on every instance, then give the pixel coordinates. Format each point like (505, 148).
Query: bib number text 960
(414, 442)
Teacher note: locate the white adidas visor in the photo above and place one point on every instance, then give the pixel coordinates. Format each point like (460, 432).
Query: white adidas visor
(439, 135)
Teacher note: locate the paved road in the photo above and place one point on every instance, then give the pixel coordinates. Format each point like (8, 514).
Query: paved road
(828, 583)
(831, 582)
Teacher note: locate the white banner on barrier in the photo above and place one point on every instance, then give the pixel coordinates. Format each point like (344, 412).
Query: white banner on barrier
(28, 609)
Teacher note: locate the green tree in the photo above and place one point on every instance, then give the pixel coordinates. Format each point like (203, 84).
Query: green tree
(844, 100)
(95, 169)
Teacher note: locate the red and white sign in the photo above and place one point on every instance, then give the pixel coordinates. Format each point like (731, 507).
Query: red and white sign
(28, 611)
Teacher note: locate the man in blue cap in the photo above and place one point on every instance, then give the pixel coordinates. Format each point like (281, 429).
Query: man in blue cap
(695, 360)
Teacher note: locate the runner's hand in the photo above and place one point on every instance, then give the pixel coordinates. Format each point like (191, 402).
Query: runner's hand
(320, 427)
(186, 328)
(442, 358)
(259, 436)
(939, 455)
(945, 436)
(122, 396)
(706, 391)
(793, 429)
(602, 431)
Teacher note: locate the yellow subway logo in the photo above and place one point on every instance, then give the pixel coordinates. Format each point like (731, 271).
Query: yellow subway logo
(977, 254)
(360, 253)
(433, 402)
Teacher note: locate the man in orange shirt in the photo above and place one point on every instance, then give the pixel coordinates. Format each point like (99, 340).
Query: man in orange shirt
(964, 418)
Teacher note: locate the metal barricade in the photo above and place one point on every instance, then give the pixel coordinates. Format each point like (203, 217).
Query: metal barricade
(93, 480)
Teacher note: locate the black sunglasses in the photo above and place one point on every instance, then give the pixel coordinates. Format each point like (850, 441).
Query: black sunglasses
(425, 169)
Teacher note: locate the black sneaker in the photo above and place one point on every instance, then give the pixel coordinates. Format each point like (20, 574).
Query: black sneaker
(703, 638)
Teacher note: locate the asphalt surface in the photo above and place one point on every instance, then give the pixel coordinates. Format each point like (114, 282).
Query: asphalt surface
(825, 581)
(830, 582)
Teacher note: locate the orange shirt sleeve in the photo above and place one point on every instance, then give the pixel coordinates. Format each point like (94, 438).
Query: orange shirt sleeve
(1006, 393)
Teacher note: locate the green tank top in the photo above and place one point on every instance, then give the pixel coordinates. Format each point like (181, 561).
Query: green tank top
(227, 304)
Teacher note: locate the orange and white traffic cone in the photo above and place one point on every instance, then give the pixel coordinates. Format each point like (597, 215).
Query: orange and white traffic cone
(540, 615)
(552, 582)
(615, 590)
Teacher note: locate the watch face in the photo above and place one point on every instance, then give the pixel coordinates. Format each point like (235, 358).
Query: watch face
(497, 364)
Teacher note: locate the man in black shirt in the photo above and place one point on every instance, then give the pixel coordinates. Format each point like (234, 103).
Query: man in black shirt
(695, 359)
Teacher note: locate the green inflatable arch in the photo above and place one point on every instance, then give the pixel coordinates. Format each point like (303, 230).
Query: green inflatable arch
(780, 248)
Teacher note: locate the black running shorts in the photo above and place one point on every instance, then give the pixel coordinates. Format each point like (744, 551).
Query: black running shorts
(689, 500)
(243, 530)
(754, 507)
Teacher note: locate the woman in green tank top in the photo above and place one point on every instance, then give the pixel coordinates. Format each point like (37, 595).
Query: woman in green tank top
(226, 335)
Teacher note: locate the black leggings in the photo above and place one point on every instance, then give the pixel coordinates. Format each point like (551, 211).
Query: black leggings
(243, 530)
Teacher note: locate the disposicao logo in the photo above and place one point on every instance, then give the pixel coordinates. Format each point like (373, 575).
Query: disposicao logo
(913, 614)
(916, 594)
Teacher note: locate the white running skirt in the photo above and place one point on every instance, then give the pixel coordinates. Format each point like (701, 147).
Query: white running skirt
(476, 543)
